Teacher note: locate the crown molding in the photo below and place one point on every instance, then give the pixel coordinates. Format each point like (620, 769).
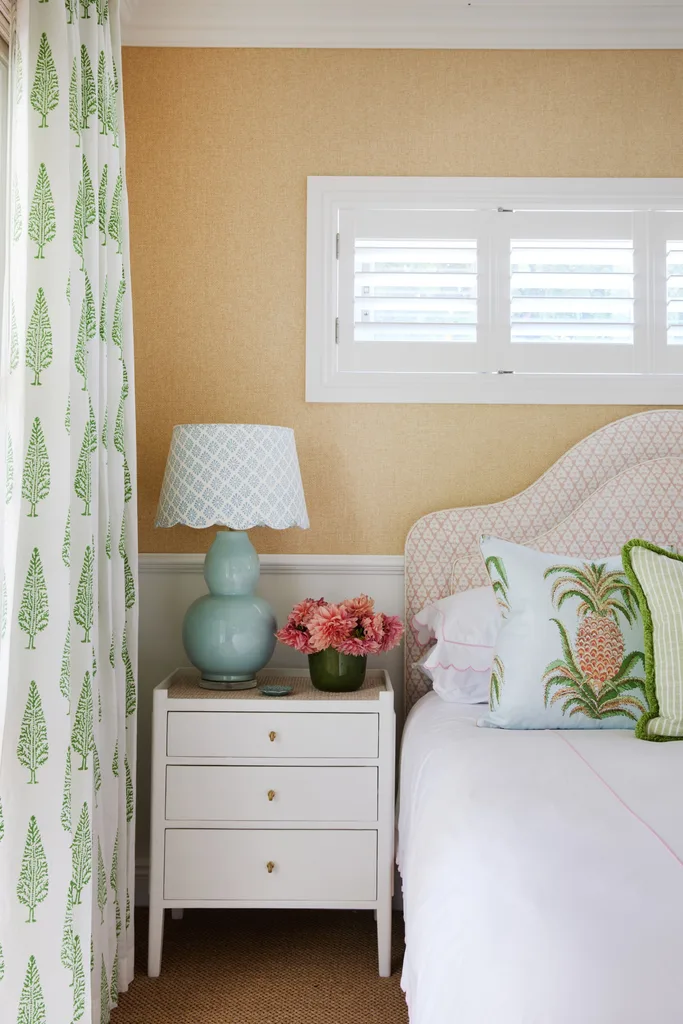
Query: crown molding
(408, 24)
(284, 565)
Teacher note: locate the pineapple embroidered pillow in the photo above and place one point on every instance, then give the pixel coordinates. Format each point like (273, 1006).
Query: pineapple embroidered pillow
(569, 654)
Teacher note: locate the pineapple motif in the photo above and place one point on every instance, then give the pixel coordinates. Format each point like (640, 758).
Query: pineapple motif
(599, 648)
(594, 678)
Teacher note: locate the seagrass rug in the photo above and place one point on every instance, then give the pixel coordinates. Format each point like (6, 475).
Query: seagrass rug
(266, 967)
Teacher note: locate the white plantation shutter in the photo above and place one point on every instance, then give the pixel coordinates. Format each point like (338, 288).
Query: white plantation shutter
(674, 292)
(495, 290)
(666, 246)
(409, 291)
(415, 289)
(571, 292)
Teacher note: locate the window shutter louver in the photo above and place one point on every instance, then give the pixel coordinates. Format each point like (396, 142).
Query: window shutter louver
(5, 19)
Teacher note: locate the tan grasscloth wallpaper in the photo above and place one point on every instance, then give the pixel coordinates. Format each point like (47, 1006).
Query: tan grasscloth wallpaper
(219, 144)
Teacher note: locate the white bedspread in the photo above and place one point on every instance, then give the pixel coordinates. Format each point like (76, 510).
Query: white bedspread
(541, 874)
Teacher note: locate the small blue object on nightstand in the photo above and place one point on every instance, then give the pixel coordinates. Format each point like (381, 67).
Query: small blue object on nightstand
(271, 690)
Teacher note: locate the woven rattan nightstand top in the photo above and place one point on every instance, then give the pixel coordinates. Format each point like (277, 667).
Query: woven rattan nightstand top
(185, 686)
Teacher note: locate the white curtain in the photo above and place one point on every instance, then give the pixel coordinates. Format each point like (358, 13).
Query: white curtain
(68, 615)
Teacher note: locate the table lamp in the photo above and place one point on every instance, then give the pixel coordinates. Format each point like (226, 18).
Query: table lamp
(236, 475)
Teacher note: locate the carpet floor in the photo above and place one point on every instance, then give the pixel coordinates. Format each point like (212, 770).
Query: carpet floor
(266, 967)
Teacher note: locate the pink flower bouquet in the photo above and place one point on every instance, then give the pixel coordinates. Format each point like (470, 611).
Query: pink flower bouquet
(347, 632)
(352, 627)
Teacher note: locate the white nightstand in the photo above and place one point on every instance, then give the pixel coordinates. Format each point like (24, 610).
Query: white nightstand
(272, 802)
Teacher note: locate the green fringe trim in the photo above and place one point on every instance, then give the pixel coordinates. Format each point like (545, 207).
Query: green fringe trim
(642, 731)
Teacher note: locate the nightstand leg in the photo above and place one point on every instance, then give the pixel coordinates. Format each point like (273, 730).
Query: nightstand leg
(156, 938)
(384, 921)
(384, 938)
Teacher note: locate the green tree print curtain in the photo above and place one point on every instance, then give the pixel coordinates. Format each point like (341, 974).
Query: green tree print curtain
(68, 542)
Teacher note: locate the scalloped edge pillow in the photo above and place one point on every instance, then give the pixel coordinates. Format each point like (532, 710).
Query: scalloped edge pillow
(657, 578)
(465, 626)
(570, 650)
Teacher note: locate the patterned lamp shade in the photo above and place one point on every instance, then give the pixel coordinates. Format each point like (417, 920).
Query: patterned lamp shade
(232, 474)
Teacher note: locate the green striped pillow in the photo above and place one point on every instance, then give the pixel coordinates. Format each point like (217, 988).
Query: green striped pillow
(657, 578)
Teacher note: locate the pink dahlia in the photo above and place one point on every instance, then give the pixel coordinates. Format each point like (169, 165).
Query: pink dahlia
(393, 631)
(297, 637)
(373, 627)
(300, 612)
(358, 646)
(330, 625)
(366, 637)
(360, 606)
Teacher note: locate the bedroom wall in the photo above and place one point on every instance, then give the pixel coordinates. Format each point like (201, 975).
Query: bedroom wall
(220, 143)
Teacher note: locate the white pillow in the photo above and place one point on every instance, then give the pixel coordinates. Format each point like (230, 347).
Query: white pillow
(465, 627)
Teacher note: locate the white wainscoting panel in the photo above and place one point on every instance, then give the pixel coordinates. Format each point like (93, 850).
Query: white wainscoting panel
(169, 583)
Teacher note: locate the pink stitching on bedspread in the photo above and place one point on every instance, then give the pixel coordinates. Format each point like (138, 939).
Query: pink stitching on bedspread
(617, 797)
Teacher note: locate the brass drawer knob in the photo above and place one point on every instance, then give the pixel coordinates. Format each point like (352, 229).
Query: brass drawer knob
(271, 794)
(271, 736)
(269, 867)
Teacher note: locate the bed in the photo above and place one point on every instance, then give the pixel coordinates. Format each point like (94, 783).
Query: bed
(542, 871)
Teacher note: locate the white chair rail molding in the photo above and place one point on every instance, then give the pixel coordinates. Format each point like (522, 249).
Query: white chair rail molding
(494, 290)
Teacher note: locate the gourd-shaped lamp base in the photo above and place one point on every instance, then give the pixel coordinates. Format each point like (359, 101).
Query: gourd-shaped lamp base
(229, 633)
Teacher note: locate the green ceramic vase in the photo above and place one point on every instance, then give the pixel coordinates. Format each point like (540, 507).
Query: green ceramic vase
(335, 672)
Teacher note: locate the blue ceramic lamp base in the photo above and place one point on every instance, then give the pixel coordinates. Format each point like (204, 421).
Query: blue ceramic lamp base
(229, 633)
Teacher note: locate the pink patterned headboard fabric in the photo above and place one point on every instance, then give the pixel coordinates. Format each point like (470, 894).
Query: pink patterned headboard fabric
(623, 481)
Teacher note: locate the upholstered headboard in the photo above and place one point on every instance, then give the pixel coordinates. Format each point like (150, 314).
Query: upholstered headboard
(623, 481)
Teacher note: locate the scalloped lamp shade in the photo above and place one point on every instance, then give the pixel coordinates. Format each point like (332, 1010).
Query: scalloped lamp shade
(239, 476)
(232, 474)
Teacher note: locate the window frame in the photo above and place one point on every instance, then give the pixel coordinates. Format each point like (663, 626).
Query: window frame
(332, 198)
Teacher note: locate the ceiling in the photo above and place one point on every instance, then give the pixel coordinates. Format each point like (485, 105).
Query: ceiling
(450, 24)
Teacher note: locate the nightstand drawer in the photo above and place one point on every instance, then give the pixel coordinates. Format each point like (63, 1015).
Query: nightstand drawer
(265, 793)
(271, 734)
(270, 865)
